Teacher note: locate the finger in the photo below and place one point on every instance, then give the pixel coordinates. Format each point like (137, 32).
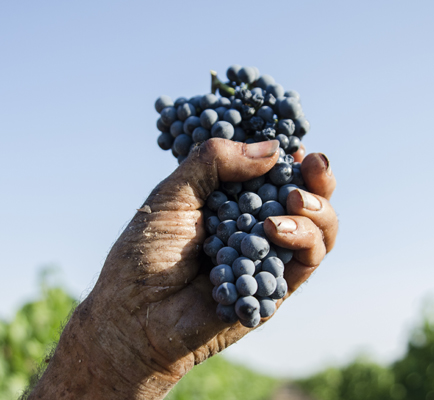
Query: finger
(299, 154)
(317, 175)
(215, 160)
(318, 210)
(299, 234)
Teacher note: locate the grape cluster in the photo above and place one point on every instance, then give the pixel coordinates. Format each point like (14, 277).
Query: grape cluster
(248, 273)
(251, 108)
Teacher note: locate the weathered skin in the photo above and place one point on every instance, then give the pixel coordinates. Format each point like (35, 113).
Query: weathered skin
(150, 317)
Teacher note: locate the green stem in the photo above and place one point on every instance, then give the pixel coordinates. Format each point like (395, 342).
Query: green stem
(216, 83)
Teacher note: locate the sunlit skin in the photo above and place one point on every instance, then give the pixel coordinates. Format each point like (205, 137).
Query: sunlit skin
(150, 317)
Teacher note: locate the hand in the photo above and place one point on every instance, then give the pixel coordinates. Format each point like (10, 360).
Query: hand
(151, 316)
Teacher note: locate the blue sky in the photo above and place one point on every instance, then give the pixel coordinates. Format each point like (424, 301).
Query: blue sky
(78, 149)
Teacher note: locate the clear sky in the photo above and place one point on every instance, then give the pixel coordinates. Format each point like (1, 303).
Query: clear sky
(78, 149)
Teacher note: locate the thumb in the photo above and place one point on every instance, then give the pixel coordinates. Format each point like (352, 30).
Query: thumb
(215, 160)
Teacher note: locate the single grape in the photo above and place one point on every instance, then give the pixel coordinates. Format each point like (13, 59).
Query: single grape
(235, 240)
(232, 188)
(247, 307)
(246, 285)
(274, 266)
(237, 104)
(292, 93)
(221, 112)
(289, 107)
(271, 208)
(266, 284)
(222, 129)
(284, 254)
(168, 116)
(232, 116)
(227, 255)
(212, 245)
(243, 266)
(258, 229)
(165, 141)
(180, 101)
(228, 210)
(209, 101)
(211, 224)
(283, 141)
(239, 135)
(184, 111)
(176, 128)
(215, 200)
(280, 174)
(251, 322)
(161, 127)
(245, 222)
(268, 192)
(208, 118)
(297, 177)
(162, 102)
(225, 229)
(250, 203)
(200, 135)
(232, 73)
(271, 253)
(281, 289)
(267, 307)
(286, 127)
(224, 102)
(302, 126)
(266, 113)
(255, 247)
(269, 100)
(275, 89)
(220, 274)
(284, 192)
(190, 124)
(246, 75)
(182, 144)
(226, 294)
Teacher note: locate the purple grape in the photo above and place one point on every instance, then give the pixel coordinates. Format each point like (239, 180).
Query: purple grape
(211, 224)
(208, 101)
(243, 266)
(225, 230)
(266, 284)
(227, 313)
(284, 192)
(228, 210)
(190, 124)
(177, 128)
(162, 102)
(208, 118)
(250, 203)
(212, 245)
(255, 247)
(165, 141)
(227, 255)
(222, 129)
(281, 289)
(226, 294)
(220, 274)
(235, 240)
(245, 222)
(274, 266)
(184, 111)
(215, 200)
(246, 285)
(232, 116)
(267, 307)
(271, 208)
(268, 192)
(168, 116)
(247, 307)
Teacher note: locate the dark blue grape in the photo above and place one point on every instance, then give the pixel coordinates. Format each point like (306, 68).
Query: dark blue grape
(175, 154)
(246, 75)
(254, 184)
(284, 192)
(255, 247)
(226, 294)
(271, 208)
(245, 222)
(270, 100)
(208, 118)
(209, 101)
(246, 285)
(220, 274)
(281, 289)
(227, 255)
(190, 124)
(252, 322)
(257, 90)
(239, 135)
(302, 126)
(235, 240)
(280, 174)
(256, 123)
(274, 266)
(264, 81)
(257, 100)
(289, 107)
(227, 313)
(232, 188)
(271, 253)
(297, 177)
(266, 113)
(237, 104)
(292, 93)
(250, 203)
(257, 74)
(168, 116)
(162, 102)
(226, 229)
(232, 73)
(228, 210)
(161, 127)
(275, 89)
(200, 134)
(293, 145)
(286, 127)
(180, 101)
(267, 307)
(196, 101)
(258, 229)
(243, 266)
(247, 307)
(224, 102)
(177, 128)
(182, 144)
(215, 200)
(266, 284)
(247, 112)
(221, 112)
(165, 141)
(283, 141)
(232, 116)
(268, 192)
(211, 224)
(222, 129)
(284, 254)
(212, 245)
(184, 111)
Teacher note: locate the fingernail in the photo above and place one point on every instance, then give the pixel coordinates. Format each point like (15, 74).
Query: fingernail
(261, 149)
(326, 164)
(309, 202)
(283, 225)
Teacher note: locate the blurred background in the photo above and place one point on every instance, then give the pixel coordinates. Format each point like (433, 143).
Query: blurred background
(78, 156)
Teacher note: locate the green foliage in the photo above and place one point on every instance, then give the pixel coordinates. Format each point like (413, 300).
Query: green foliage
(29, 336)
(218, 379)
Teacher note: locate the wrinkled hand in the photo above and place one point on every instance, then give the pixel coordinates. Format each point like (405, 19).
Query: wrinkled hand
(151, 316)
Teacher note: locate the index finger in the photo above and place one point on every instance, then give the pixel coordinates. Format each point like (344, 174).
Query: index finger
(318, 176)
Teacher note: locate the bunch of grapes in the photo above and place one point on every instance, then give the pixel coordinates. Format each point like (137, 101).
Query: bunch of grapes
(248, 273)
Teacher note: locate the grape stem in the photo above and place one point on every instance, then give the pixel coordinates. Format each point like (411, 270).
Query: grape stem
(216, 83)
